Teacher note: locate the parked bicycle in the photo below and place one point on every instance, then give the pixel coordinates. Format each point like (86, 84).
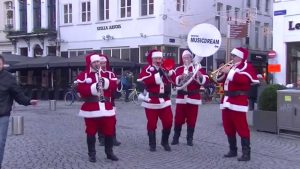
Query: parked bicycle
(71, 95)
(133, 94)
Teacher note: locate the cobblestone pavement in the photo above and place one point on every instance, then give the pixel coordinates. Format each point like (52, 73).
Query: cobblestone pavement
(56, 140)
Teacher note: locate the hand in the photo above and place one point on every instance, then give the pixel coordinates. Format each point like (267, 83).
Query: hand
(34, 102)
(226, 69)
(160, 71)
(199, 74)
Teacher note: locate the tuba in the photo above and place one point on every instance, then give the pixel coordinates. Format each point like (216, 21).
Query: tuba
(203, 40)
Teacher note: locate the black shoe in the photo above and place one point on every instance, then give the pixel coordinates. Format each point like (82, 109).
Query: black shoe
(190, 135)
(167, 147)
(189, 142)
(116, 142)
(177, 131)
(230, 154)
(152, 148)
(92, 159)
(245, 149)
(175, 141)
(112, 157)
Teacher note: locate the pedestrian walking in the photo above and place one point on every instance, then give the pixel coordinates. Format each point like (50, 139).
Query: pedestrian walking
(9, 91)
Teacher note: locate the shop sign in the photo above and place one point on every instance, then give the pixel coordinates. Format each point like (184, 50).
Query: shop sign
(280, 12)
(293, 26)
(274, 68)
(109, 27)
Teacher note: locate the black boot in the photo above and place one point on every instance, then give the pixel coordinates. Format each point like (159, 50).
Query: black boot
(177, 131)
(232, 147)
(101, 139)
(165, 139)
(109, 149)
(245, 149)
(189, 137)
(152, 140)
(91, 141)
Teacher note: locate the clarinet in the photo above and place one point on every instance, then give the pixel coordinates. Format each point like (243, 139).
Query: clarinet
(100, 86)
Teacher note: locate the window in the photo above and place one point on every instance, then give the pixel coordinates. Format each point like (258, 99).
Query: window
(103, 10)
(9, 15)
(68, 13)
(51, 15)
(37, 14)
(86, 11)
(257, 25)
(236, 13)
(23, 15)
(266, 32)
(267, 5)
(248, 3)
(125, 8)
(219, 9)
(228, 12)
(180, 5)
(147, 7)
(125, 54)
(258, 4)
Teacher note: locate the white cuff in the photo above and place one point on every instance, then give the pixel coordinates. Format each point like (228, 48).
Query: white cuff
(106, 83)
(94, 89)
(230, 75)
(158, 79)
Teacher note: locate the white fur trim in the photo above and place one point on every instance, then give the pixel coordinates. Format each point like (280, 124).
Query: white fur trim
(95, 58)
(97, 113)
(102, 59)
(171, 72)
(188, 100)
(157, 54)
(186, 52)
(158, 79)
(238, 53)
(234, 107)
(156, 106)
(230, 75)
(106, 83)
(88, 80)
(250, 77)
(94, 89)
(147, 71)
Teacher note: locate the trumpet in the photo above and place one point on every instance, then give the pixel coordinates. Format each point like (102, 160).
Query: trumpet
(215, 73)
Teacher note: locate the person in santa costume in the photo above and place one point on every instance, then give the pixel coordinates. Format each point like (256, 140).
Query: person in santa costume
(237, 80)
(156, 100)
(95, 87)
(188, 99)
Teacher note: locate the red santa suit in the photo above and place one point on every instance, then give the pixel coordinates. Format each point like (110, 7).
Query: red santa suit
(188, 99)
(234, 104)
(157, 101)
(99, 114)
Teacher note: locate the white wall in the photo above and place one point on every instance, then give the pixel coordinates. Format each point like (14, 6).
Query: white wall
(281, 35)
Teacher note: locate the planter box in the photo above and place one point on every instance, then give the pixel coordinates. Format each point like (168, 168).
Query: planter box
(265, 121)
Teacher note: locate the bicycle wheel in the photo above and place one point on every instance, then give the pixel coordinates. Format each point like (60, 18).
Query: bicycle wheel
(135, 99)
(69, 98)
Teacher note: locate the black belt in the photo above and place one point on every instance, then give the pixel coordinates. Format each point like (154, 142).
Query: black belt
(159, 95)
(190, 92)
(236, 93)
(97, 99)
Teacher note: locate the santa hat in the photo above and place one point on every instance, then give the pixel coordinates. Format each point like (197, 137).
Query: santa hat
(104, 58)
(154, 54)
(90, 58)
(241, 53)
(185, 52)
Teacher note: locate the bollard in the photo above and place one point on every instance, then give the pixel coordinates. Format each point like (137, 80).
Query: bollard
(17, 125)
(52, 105)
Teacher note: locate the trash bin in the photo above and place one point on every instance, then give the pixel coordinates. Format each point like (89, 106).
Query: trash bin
(52, 105)
(17, 125)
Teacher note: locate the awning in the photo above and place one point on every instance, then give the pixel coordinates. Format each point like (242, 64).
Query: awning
(42, 62)
(11, 59)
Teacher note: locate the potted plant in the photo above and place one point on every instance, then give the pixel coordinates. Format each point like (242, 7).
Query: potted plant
(265, 117)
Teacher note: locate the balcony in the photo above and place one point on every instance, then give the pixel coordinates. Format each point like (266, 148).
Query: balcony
(36, 33)
(8, 27)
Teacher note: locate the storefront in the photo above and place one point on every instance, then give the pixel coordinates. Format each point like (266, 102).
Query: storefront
(286, 41)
